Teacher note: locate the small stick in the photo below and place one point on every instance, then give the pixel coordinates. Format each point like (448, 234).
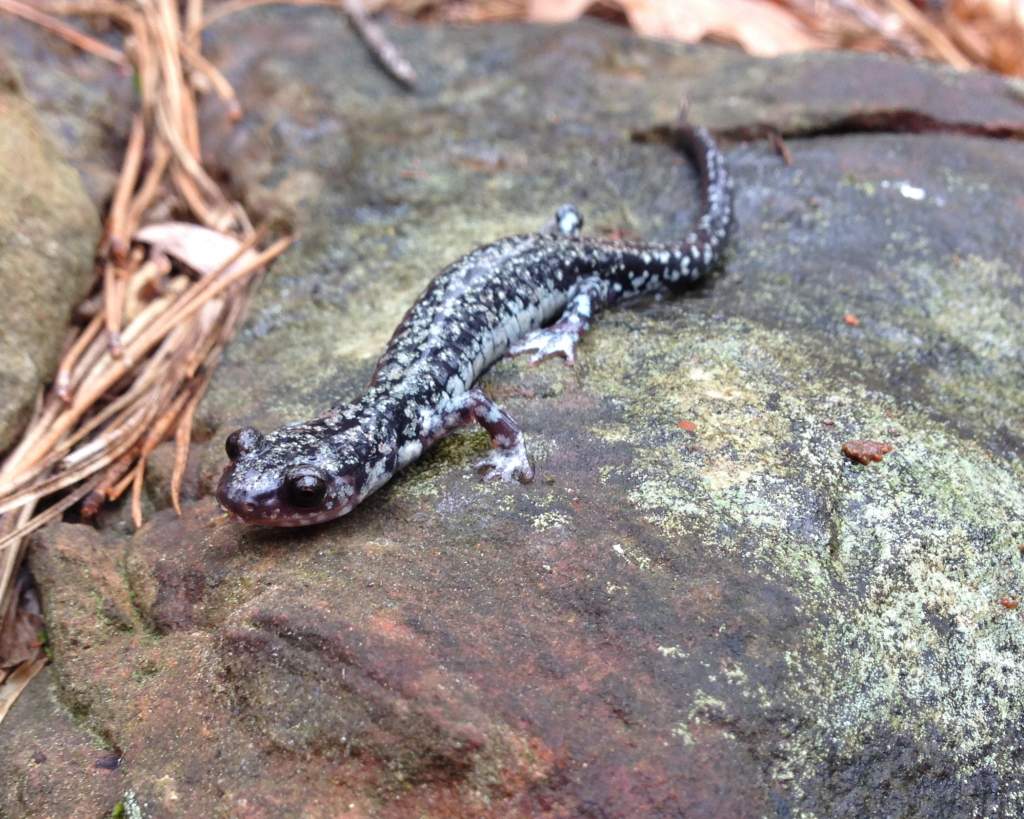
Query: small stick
(146, 284)
(47, 410)
(193, 23)
(132, 162)
(217, 80)
(186, 186)
(149, 187)
(62, 381)
(149, 443)
(182, 439)
(185, 159)
(371, 34)
(90, 8)
(380, 46)
(147, 65)
(780, 146)
(113, 303)
(164, 27)
(189, 122)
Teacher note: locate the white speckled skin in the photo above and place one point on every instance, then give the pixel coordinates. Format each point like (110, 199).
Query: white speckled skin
(488, 303)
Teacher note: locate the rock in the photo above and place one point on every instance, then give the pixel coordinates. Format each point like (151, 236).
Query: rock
(48, 235)
(51, 770)
(701, 607)
(85, 103)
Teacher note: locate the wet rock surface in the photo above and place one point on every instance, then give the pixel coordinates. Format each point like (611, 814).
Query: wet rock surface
(48, 233)
(84, 102)
(55, 760)
(700, 607)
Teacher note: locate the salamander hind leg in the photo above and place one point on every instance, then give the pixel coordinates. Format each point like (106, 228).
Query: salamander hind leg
(508, 460)
(561, 338)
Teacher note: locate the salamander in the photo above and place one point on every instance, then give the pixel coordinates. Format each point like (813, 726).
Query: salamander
(533, 293)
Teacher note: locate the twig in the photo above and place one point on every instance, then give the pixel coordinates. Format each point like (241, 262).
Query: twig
(217, 80)
(81, 470)
(182, 439)
(372, 35)
(380, 46)
(781, 148)
(62, 381)
(193, 24)
(117, 225)
(150, 186)
(113, 304)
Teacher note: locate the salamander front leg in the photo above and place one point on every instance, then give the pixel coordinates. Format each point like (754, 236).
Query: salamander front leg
(508, 461)
(562, 337)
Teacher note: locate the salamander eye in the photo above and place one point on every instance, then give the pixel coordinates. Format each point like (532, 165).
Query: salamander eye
(306, 486)
(241, 442)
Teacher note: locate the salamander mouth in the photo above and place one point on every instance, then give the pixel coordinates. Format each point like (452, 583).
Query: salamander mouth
(284, 520)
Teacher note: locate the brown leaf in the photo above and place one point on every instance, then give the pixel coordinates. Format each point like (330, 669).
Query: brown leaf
(21, 625)
(758, 26)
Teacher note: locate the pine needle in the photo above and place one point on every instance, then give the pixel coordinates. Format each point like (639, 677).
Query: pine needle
(138, 366)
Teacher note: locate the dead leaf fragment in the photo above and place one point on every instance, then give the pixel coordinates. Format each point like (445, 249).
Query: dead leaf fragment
(201, 248)
(21, 625)
(761, 28)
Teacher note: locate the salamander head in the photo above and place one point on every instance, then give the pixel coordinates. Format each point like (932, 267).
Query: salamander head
(298, 475)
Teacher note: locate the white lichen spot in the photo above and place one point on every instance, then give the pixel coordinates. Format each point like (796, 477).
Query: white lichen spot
(132, 808)
(550, 520)
(682, 731)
